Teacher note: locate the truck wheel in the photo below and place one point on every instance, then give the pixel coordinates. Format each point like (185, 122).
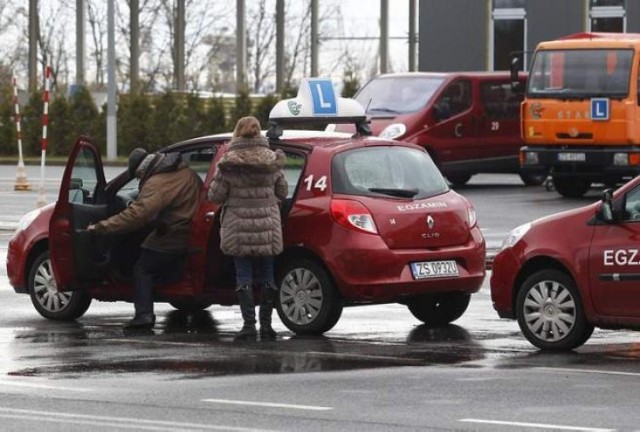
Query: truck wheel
(550, 312)
(48, 301)
(571, 188)
(308, 302)
(531, 179)
(458, 180)
(439, 309)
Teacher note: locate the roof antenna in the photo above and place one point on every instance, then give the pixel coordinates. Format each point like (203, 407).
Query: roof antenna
(366, 110)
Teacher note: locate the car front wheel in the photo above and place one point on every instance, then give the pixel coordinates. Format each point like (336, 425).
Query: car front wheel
(48, 301)
(308, 302)
(550, 313)
(439, 309)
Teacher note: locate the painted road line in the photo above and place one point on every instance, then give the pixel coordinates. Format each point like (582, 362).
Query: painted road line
(268, 404)
(536, 425)
(115, 422)
(588, 371)
(41, 386)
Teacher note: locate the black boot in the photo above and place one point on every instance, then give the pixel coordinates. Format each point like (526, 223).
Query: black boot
(248, 310)
(144, 321)
(267, 297)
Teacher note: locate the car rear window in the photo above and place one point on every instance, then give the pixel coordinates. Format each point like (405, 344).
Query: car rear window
(391, 171)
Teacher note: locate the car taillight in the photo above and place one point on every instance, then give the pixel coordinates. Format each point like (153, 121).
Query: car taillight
(354, 215)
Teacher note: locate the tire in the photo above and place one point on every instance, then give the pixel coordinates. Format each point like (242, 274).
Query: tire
(530, 179)
(190, 306)
(51, 304)
(571, 188)
(308, 302)
(437, 310)
(550, 313)
(459, 180)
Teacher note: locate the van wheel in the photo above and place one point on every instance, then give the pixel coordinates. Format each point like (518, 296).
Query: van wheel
(48, 301)
(308, 302)
(550, 312)
(530, 179)
(571, 188)
(439, 309)
(459, 180)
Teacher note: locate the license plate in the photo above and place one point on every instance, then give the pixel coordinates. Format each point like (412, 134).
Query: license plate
(434, 269)
(572, 157)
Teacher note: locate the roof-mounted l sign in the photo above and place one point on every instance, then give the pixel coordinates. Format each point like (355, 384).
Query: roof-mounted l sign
(323, 97)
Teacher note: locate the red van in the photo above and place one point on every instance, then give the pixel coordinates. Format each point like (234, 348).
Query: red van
(469, 122)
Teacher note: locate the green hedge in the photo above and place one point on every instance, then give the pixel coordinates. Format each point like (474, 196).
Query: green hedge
(149, 121)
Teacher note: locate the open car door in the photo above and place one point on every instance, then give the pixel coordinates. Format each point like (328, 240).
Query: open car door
(77, 256)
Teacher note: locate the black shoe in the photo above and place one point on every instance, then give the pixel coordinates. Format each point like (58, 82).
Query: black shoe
(247, 333)
(141, 322)
(267, 332)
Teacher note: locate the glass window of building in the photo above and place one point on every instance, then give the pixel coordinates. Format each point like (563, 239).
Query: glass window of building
(508, 33)
(607, 16)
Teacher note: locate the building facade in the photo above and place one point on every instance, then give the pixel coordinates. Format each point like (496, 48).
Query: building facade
(471, 35)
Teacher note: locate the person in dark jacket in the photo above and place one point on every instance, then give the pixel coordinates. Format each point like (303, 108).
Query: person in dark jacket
(168, 198)
(249, 183)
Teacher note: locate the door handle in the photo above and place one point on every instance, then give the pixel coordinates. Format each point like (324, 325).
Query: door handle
(209, 215)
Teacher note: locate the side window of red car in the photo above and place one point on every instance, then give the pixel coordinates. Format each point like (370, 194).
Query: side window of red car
(84, 178)
(632, 205)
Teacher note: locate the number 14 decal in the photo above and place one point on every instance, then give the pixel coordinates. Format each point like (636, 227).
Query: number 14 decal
(320, 183)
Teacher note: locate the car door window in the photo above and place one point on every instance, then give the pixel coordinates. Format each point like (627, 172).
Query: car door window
(84, 178)
(632, 205)
(455, 100)
(499, 100)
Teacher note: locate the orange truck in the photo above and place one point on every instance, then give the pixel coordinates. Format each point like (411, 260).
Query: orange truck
(581, 111)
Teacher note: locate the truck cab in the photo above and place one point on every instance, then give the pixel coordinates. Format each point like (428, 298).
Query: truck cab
(581, 111)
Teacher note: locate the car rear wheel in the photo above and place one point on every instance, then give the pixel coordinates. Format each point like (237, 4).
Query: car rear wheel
(571, 188)
(308, 302)
(439, 309)
(458, 180)
(550, 313)
(48, 301)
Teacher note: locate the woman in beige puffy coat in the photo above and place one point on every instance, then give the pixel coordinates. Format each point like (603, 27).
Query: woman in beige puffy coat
(249, 183)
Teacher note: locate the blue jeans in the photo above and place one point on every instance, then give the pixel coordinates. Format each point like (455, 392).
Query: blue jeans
(258, 270)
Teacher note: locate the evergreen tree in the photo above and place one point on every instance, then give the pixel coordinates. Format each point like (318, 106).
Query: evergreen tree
(242, 107)
(133, 123)
(32, 125)
(60, 128)
(166, 112)
(8, 137)
(263, 109)
(83, 115)
(216, 117)
(350, 84)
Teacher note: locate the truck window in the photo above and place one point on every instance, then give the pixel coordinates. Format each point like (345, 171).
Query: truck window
(455, 99)
(499, 101)
(581, 73)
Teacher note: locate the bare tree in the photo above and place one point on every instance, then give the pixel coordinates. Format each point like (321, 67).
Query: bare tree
(262, 34)
(96, 16)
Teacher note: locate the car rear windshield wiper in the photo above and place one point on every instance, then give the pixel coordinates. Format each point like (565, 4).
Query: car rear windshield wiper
(383, 110)
(404, 193)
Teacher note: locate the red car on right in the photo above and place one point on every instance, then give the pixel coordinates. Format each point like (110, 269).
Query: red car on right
(562, 275)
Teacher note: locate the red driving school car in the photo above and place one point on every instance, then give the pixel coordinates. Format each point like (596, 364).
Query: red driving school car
(561, 275)
(367, 220)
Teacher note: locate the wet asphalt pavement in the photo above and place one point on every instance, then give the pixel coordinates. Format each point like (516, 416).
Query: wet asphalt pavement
(378, 369)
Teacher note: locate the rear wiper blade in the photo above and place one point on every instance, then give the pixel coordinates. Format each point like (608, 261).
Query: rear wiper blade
(384, 110)
(404, 193)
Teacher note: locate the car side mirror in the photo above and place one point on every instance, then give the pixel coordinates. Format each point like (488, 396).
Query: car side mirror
(76, 183)
(606, 209)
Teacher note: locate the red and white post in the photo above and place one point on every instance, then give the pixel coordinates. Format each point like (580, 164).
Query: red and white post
(42, 200)
(21, 177)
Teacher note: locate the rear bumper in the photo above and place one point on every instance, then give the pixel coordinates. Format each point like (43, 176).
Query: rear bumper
(375, 273)
(594, 163)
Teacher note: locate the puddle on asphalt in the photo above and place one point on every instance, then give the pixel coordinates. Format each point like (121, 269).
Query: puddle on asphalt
(191, 346)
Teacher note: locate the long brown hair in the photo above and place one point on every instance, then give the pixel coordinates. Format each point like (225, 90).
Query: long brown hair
(247, 127)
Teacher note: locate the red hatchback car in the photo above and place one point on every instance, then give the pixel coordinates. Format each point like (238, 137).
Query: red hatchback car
(561, 275)
(366, 220)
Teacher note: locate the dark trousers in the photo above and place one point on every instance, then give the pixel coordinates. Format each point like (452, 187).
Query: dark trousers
(154, 267)
(257, 270)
